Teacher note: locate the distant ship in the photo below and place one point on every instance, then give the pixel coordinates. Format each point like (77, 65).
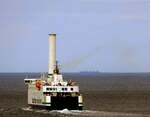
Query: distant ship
(51, 91)
(90, 72)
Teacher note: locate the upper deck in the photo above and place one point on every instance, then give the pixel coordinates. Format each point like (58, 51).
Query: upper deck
(61, 89)
(47, 86)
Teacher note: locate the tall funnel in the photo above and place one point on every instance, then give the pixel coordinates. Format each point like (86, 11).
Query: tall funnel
(52, 53)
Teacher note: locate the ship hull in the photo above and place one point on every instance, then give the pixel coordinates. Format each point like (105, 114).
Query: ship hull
(71, 103)
(59, 103)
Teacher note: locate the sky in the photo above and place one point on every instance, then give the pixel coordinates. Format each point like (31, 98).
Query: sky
(92, 35)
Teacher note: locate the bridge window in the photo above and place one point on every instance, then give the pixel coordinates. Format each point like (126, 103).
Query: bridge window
(49, 89)
(71, 89)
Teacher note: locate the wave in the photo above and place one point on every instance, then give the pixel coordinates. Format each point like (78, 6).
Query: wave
(87, 113)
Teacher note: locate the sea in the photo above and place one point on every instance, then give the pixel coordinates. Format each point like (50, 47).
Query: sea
(104, 95)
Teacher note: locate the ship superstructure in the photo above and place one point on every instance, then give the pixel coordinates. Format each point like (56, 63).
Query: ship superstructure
(51, 91)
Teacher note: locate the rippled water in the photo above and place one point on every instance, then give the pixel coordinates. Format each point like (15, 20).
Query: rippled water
(105, 95)
(87, 113)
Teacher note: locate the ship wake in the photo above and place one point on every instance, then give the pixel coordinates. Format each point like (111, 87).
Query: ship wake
(85, 113)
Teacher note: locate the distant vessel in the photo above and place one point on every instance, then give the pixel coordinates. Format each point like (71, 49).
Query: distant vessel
(52, 92)
(90, 72)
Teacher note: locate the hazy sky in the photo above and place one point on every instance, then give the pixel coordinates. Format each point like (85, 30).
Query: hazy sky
(104, 35)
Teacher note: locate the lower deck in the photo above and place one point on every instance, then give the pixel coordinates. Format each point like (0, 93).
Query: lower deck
(59, 103)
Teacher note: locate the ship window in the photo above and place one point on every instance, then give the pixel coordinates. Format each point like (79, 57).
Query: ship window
(66, 89)
(53, 88)
(63, 89)
(27, 81)
(71, 89)
(50, 88)
(47, 88)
